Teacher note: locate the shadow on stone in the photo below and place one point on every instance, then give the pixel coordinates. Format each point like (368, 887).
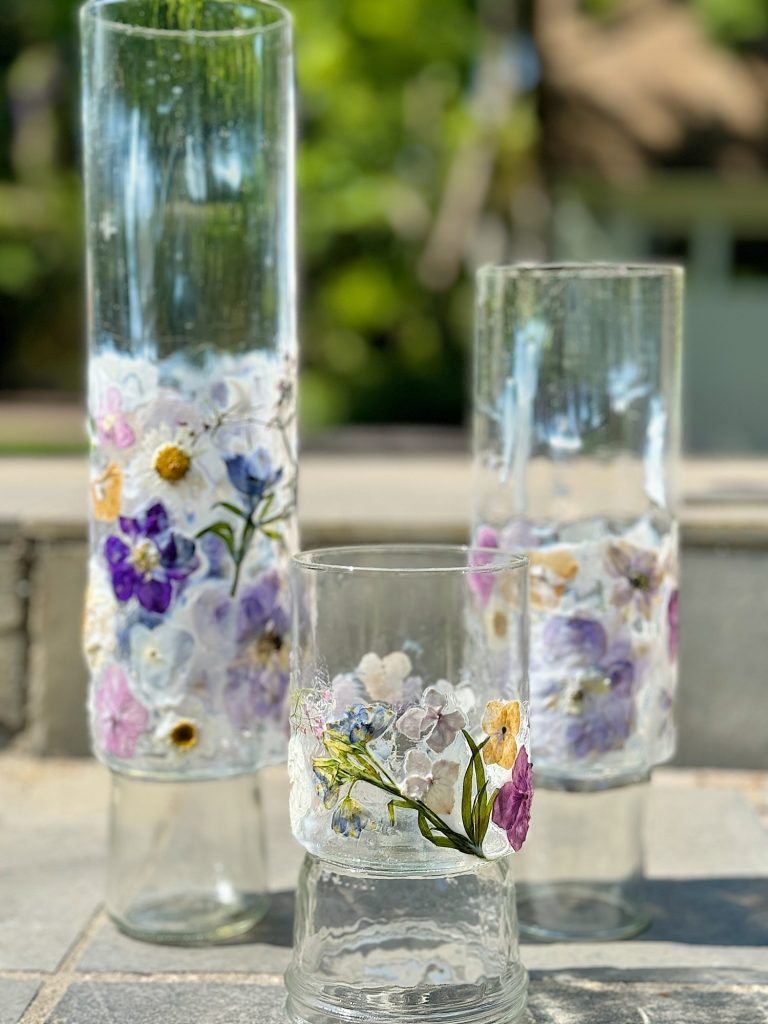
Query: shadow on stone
(276, 928)
(708, 911)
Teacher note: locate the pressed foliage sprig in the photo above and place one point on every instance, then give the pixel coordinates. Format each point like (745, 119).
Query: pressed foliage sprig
(350, 762)
(255, 481)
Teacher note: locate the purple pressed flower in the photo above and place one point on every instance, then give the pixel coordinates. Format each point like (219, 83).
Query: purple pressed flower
(151, 561)
(604, 724)
(673, 622)
(119, 718)
(253, 475)
(512, 807)
(262, 607)
(483, 582)
(257, 681)
(582, 639)
(638, 573)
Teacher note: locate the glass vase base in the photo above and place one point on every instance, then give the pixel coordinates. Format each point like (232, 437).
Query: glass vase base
(190, 919)
(578, 913)
(186, 863)
(390, 949)
(580, 874)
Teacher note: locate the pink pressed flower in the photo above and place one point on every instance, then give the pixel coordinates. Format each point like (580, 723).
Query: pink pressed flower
(673, 619)
(512, 808)
(483, 582)
(111, 424)
(120, 718)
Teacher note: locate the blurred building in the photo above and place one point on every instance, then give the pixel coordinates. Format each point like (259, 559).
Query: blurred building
(655, 145)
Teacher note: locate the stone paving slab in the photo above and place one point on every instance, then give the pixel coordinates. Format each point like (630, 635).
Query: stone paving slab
(267, 950)
(15, 996)
(703, 960)
(569, 999)
(94, 1002)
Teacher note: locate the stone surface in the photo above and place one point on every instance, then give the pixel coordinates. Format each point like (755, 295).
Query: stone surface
(724, 608)
(703, 960)
(267, 950)
(15, 997)
(573, 999)
(13, 664)
(52, 822)
(57, 676)
(209, 1002)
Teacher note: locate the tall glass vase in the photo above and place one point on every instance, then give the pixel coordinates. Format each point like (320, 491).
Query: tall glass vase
(410, 784)
(576, 445)
(189, 154)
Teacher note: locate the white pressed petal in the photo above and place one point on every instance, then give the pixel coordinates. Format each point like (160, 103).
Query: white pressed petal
(442, 793)
(417, 763)
(411, 723)
(397, 665)
(415, 787)
(435, 698)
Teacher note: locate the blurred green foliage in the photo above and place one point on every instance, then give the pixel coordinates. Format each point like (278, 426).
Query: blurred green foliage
(397, 128)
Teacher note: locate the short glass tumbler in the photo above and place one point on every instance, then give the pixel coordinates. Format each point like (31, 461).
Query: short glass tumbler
(410, 783)
(576, 451)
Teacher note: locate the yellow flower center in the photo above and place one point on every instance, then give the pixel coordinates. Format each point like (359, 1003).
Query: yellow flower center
(145, 557)
(185, 735)
(499, 625)
(641, 581)
(172, 463)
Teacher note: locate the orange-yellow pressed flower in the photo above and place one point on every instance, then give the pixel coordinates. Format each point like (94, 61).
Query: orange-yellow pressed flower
(551, 571)
(502, 723)
(106, 493)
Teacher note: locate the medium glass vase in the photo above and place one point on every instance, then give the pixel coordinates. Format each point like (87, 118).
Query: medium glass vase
(576, 450)
(410, 783)
(189, 157)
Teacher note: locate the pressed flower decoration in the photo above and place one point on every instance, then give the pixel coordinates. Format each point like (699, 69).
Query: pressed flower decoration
(604, 637)
(416, 748)
(193, 510)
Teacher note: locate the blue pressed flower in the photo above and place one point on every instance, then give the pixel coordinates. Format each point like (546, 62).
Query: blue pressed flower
(363, 722)
(350, 818)
(252, 475)
(327, 783)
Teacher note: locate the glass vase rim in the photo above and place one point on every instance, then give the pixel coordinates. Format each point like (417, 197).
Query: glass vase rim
(283, 20)
(340, 559)
(588, 269)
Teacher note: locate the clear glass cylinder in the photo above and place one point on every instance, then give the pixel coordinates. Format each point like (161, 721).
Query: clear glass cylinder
(438, 949)
(189, 179)
(189, 188)
(576, 449)
(186, 861)
(580, 876)
(410, 781)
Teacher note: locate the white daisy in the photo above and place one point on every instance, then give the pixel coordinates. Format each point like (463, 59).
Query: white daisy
(173, 465)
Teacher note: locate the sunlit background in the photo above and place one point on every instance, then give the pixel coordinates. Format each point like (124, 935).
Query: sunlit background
(437, 135)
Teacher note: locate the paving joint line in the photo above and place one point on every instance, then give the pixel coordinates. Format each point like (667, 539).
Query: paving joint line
(55, 985)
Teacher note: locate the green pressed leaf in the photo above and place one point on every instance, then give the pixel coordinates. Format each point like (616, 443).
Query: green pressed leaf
(485, 818)
(466, 800)
(224, 532)
(240, 513)
(431, 837)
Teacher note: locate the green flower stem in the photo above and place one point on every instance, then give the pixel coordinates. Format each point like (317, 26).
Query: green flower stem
(371, 773)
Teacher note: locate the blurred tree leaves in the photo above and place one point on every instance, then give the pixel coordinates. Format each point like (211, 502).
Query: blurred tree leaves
(383, 105)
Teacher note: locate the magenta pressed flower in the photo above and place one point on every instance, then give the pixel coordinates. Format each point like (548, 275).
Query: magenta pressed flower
(512, 808)
(149, 562)
(673, 622)
(120, 718)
